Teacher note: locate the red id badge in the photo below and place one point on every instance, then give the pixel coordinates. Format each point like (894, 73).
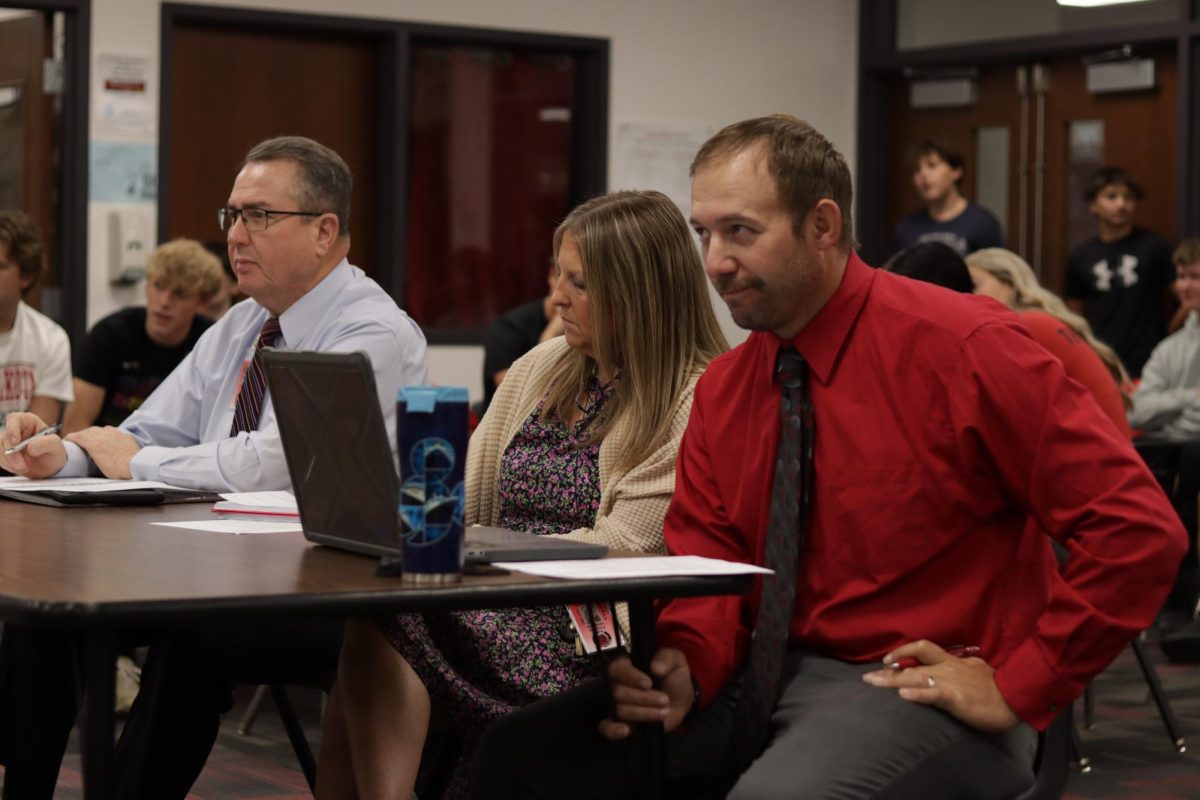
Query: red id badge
(584, 616)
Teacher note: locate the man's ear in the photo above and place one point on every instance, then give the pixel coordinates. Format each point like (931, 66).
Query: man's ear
(327, 233)
(825, 224)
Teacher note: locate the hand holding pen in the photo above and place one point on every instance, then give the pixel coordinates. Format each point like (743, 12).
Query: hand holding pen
(956, 650)
(954, 679)
(21, 445)
(31, 447)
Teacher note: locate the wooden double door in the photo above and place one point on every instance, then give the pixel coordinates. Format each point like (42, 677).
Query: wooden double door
(1030, 140)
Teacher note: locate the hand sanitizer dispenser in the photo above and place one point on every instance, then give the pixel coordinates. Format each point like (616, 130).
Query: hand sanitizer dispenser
(129, 244)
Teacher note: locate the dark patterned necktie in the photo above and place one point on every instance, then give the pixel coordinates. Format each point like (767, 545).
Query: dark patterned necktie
(249, 403)
(785, 534)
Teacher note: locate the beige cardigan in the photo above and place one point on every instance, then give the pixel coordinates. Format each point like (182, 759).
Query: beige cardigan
(632, 504)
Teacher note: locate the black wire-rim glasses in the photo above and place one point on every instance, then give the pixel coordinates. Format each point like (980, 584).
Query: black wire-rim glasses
(256, 219)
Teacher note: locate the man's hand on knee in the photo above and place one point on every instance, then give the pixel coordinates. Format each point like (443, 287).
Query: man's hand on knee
(963, 687)
(636, 700)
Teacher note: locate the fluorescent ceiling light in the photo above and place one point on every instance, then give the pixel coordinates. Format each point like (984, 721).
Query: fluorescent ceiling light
(1094, 3)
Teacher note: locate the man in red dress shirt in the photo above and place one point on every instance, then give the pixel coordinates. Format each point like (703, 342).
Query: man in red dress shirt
(948, 447)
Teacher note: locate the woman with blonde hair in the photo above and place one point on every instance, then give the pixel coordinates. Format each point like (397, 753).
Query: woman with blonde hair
(1005, 276)
(580, 441)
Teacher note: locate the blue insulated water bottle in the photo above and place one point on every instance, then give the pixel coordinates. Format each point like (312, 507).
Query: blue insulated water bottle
(431, 438)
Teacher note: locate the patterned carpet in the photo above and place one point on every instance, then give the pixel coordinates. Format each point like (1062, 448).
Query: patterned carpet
(1130, 752)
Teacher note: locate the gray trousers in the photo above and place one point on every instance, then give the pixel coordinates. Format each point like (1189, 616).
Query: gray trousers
(833, 736)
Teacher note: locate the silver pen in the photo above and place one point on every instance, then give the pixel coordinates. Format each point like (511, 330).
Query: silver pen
(21, 445)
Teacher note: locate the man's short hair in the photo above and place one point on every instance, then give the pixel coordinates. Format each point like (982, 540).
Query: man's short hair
(936, 147)
(807, 168)
(187, 266)
(324, 182)
(1111, 176)
(1187, 253)
(19, 235)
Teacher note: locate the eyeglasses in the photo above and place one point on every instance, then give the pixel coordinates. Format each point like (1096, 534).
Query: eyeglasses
(255, 219)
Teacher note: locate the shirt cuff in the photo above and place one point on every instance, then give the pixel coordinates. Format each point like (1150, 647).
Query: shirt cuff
(1032, 688)
(78, 464)
(144, 466)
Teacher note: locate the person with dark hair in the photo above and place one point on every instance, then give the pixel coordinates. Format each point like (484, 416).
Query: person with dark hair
(514, 334)
(227, 293)
(948, 217)
(1120, 279)
(932, 262)
(211, 425)
(35, 353)
(895, 454)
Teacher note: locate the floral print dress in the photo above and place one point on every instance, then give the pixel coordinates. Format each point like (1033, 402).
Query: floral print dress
(480, 665)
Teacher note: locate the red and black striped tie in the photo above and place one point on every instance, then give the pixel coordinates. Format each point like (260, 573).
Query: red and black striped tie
(248, 407)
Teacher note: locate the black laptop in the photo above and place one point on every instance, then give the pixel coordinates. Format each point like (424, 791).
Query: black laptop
(343, 473)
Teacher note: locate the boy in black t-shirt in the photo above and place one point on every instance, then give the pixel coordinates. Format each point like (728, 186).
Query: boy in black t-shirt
(948, 217)
(126, 355)
(1120, 279)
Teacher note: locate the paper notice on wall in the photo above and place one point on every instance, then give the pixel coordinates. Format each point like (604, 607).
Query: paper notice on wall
(657, 156)
(124, 99)
(123, 172)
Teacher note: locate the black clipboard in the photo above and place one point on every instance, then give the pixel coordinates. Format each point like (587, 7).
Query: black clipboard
(122, 497)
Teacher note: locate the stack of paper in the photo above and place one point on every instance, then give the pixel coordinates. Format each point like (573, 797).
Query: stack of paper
(276, 504)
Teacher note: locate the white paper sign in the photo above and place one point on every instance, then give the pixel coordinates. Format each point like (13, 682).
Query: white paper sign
(124, 98)
(657, 156)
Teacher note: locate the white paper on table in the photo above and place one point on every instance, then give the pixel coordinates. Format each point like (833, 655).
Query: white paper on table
(280, 499)
(235, 526)
(18, 484)
(648, 567)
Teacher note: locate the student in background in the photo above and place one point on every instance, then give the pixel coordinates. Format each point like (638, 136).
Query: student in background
(128, 354)
(1166, 404)
(932, 262)
(35, 353)
(1005, 276)
(948, 217)
(1166, 407)
(515, 333)
(1119, 279)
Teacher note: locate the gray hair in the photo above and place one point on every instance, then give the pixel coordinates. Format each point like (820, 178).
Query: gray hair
(324, 182)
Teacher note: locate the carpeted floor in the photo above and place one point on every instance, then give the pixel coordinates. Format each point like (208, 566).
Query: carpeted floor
(1130, 752)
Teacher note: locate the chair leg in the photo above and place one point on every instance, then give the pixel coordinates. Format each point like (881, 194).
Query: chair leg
(295, 733)
(1160, 697)
(1089, 708)
(1082, 761)
(251, 712)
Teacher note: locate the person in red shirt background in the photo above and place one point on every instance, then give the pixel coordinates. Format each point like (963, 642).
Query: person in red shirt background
(945, 440)
(1005, 276)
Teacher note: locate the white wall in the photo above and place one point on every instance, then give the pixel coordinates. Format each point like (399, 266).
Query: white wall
(699, 63)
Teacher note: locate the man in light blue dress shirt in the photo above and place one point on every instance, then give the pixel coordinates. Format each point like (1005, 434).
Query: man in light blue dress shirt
(287, 226)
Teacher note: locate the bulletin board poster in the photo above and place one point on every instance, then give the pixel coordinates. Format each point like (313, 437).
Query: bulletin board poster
(657, 156)
(124, 101)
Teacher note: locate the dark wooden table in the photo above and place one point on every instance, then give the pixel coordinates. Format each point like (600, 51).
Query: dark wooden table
(98, 570)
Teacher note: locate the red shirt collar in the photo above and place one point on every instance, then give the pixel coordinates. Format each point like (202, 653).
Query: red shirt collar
(822, 340)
